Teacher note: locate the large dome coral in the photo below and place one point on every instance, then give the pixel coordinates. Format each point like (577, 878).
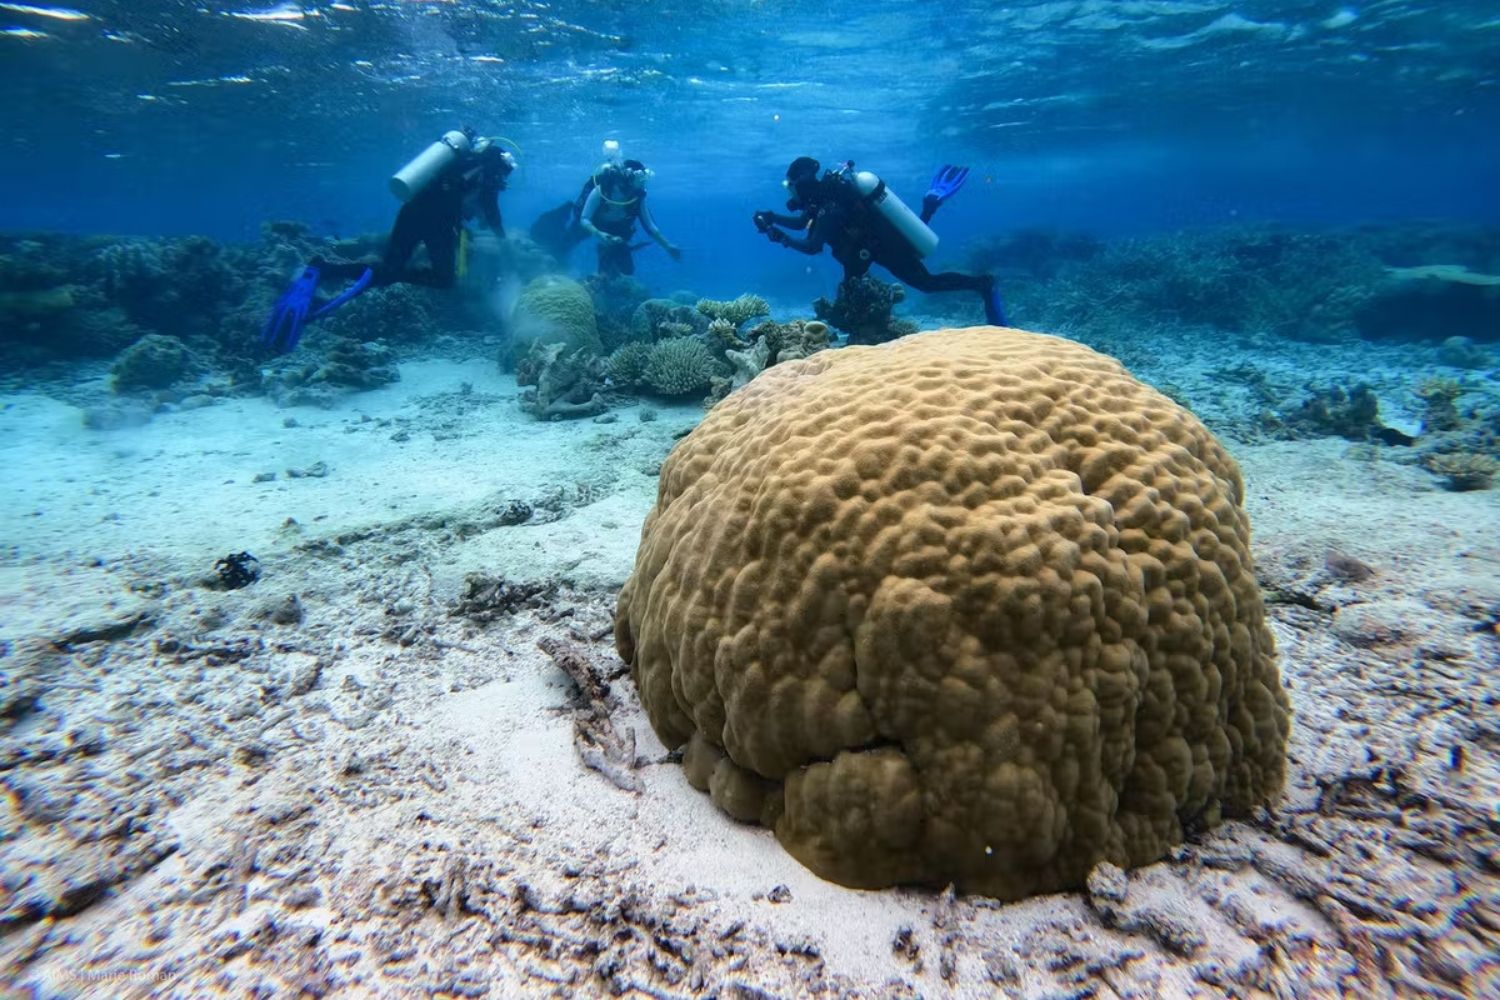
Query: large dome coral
(975, 606)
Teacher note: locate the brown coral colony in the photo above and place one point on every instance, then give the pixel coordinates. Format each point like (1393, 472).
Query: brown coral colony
(974, 607)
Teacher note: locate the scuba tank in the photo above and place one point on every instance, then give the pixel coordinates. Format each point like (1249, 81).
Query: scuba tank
(881, 198)
(409, 181)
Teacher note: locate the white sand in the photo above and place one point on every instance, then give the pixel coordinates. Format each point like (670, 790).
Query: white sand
(385, 799)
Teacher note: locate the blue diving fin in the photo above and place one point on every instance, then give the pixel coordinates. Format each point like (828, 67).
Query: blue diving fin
(945, 183)
(360, 284)
(994, 307)
(290, 315)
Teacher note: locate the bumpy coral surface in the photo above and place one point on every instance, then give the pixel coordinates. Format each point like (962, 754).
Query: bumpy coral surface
(555, 310)
(976, 606)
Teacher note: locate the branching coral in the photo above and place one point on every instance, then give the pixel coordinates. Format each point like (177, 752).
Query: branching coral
(679, 367)
(976, 607)
(1439, 398)
(1352, 413)
(627, 365)
(1462, 471)
(737, 311)
(863, 309)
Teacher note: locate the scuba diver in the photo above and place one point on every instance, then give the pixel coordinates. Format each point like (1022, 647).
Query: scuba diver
(607, 208)
(864, 223)
(457, 178)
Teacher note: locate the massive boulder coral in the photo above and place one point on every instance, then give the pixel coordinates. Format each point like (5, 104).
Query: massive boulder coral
(973, 607)
(554, 310)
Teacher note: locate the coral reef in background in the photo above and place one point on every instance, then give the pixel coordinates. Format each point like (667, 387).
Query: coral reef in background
(662, 319)
(1462, 352)
(396, 314)
(337, 367)
(153, 362)
(616, 298)
(863, 308)
(974, 607)
(1305, 286)
(1434, 302)
(1376, 282)
(1459, 444)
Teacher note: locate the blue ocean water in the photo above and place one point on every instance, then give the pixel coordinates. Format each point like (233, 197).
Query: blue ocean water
(365, 667)
(141, 116)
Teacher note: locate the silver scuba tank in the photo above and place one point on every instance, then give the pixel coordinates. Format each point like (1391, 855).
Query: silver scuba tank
(906, 222)
(409, 181)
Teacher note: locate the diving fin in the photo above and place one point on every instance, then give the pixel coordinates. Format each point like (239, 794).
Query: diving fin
(557, 231)
(994, 306)
(290, 314)
(360, 284)
(946, 182)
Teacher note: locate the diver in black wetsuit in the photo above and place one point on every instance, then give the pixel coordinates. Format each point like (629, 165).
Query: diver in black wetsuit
(468, 187)
(458, 177)
(834, 213)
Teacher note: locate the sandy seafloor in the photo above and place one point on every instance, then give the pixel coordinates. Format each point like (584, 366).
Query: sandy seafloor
(330, 783)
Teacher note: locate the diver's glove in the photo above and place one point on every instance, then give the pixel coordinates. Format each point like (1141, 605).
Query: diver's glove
(762, 220)
(776, 236)
(673, 251)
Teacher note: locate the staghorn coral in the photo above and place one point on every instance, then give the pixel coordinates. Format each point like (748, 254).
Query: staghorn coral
(975, 607)
(679, 367)
(736, 312)
(863, 309)
(627, 365)
(1462, 471)
(554, 310)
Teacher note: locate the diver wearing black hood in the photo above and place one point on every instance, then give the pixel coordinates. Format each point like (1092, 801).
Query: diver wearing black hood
(863, 223)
